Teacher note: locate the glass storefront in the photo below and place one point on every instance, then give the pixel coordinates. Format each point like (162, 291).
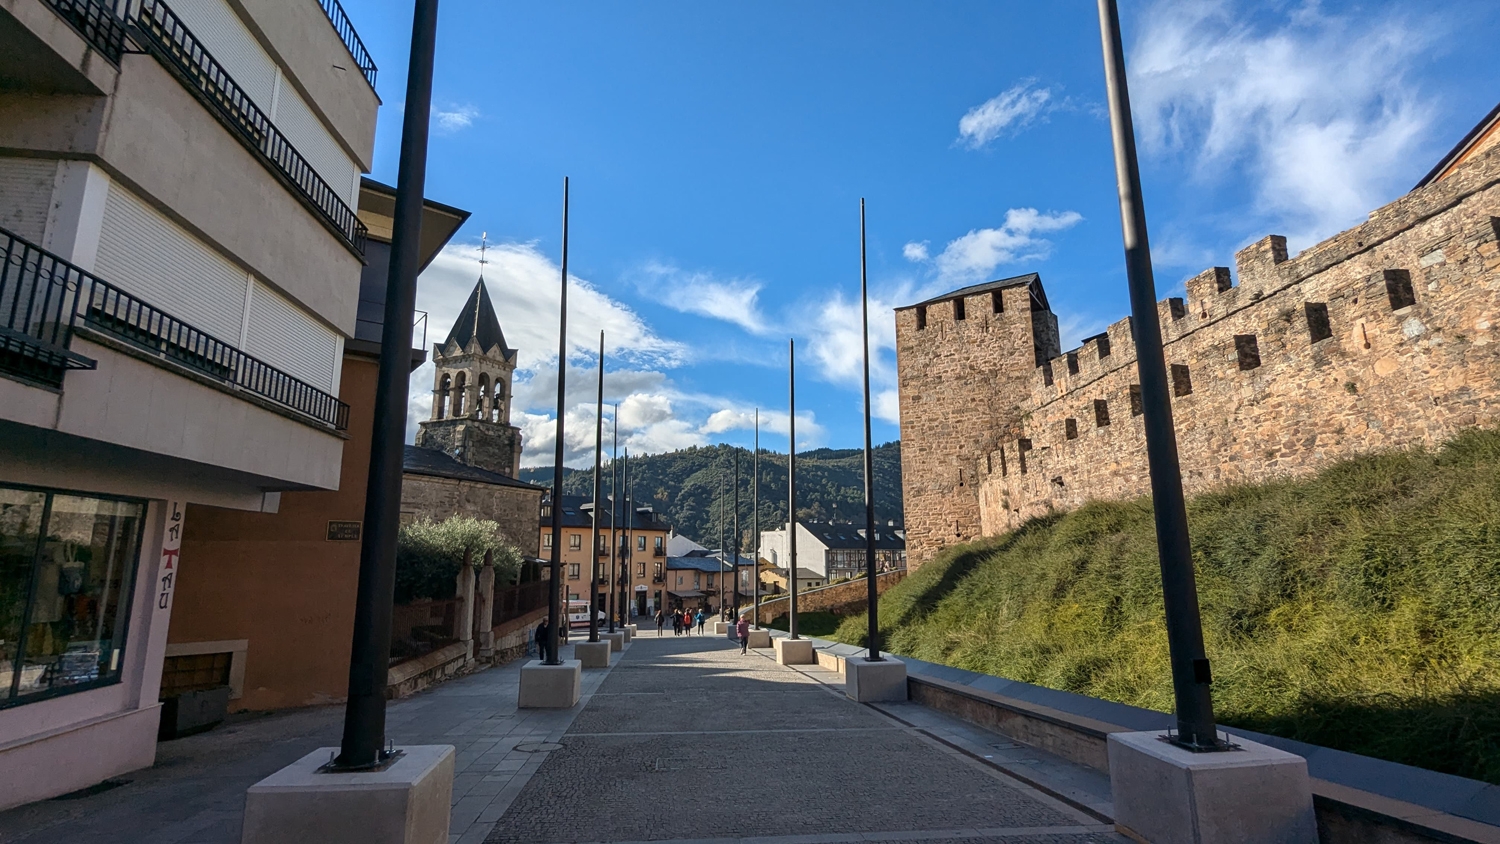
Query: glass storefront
(66, 563)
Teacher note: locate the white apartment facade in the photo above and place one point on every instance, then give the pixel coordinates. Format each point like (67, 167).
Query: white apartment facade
(835, 549)
(179, 270)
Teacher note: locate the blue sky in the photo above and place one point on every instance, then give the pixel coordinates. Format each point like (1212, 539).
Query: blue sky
(718, 152)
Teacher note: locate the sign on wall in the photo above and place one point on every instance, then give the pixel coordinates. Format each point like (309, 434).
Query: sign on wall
(343, 531)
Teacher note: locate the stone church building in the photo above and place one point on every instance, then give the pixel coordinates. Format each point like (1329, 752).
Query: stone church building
(467, 455)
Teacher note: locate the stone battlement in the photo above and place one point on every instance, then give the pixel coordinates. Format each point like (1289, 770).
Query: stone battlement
(1380, 337)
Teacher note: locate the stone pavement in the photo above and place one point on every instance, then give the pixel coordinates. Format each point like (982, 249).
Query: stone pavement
(681, 740)
(688, 741)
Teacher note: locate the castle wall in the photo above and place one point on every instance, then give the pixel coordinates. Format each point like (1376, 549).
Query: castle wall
(962, 382)
(1381, 337)
(488, 445)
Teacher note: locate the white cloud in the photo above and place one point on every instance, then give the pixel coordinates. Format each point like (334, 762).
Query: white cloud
(977, 254)
(454, 117)
(836, 333)
(733, 300)
(1318, 109)
(916, 252)
(1013, 109)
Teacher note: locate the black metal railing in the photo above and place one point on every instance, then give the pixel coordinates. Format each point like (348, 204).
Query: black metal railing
(345, 29)
(42, 297)
(100, 23)
(38, 292)
(176, 47)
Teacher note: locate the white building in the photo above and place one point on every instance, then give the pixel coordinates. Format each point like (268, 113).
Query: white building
(179, 269)
(835, 549)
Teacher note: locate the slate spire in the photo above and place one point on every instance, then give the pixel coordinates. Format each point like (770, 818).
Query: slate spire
(477, 320)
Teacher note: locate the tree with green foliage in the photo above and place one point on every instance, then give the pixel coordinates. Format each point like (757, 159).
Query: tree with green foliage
(429, 555)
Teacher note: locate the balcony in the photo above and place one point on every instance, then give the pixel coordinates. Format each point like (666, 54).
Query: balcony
(659, 552)
(44, 300)
(98, 22)
(346, 32)
(165, 37)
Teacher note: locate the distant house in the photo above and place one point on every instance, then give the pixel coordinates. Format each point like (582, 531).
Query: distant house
(641, 551)
(776, 580)
(694, 580)
(835, 550)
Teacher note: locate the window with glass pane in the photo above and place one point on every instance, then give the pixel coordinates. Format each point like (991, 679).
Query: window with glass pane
(65, 568)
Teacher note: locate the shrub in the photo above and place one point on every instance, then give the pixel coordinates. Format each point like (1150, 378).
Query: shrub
(429, 555)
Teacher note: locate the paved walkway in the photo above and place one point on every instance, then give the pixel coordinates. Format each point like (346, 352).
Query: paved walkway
(682, 739)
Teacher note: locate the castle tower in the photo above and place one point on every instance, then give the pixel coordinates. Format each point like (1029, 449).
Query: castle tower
(964, 363)
(471, 392)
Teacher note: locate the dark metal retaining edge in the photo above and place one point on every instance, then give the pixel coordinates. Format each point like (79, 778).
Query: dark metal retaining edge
(174, 45)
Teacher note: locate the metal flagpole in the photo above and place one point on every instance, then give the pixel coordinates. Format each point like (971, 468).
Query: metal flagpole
(594, 543)
(723, 538)
(1190, 670)
(791, 486)
(629, 555)
(735, 543)
(872, 641)
(755, 514)
(362, 746)
(555, 617)
(614, 506)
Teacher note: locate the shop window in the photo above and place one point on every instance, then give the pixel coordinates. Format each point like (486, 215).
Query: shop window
(66, 563)
(1182, 380)
(1398, 288)
(1247, 351)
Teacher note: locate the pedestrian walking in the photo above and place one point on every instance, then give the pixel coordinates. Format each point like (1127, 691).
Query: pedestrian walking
(676, 622)
(541, 639)
(661, 619)
(701, 621)
(742, 630)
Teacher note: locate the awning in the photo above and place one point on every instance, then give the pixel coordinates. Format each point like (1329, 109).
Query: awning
(691, 593)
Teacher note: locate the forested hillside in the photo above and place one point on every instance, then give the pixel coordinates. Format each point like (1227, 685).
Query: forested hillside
(692, 486)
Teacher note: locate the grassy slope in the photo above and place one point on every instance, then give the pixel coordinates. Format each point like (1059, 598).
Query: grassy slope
(1358, 609)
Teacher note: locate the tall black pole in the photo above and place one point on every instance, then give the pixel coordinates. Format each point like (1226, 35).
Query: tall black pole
(614, 506)
(735, 541)
(594, 541)
(872, 594)
(555, 617)
(723, 538)
(364, 713)
(1190, 671)
(791, 486)
(629, 556)
(755, 514)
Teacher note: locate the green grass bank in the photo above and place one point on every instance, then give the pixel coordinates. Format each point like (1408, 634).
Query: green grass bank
(1357, 609)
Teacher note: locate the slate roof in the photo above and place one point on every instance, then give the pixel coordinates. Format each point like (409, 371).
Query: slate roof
(574, 515)
(696, 563)
(477, 320)
(999, 284)
(844, 535)
(430, 461)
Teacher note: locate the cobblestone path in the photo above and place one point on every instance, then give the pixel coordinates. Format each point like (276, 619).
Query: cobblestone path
(688, 740)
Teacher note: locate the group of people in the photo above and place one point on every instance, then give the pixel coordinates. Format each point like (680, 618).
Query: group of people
(683, 621)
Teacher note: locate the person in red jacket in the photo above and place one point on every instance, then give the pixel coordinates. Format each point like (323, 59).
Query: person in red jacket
(742, 630)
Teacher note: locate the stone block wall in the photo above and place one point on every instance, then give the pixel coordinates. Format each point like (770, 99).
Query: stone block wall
(847, 597)
(963, 375)
(495, 446)
(516, 509)
(1381, 337)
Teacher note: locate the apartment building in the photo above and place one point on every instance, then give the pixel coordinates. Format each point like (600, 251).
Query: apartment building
(180, 260)
(835, 550)
(641, 541)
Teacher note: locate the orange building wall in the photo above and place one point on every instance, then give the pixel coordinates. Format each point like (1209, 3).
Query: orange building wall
(275, 579)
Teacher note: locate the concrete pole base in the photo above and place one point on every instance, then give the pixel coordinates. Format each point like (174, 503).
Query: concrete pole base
(794, 651)
(1164, 794)
(871, 682)
(616, 640)
(632, 630)
(760, 638)
(546, 686)
(625, 631)
(407, 803)
(722, 627)
(592, 654)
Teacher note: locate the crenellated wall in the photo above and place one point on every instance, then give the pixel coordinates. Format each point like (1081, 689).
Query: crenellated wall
(1381, 337)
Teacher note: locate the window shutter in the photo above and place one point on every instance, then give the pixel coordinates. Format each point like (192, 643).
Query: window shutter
(26, 195)
(285, 336)
(225, 36)
(149, 256)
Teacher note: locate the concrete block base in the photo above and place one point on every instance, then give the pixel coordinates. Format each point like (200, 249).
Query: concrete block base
(760, 638)
(869, 682)
(1164, 794)
(616, 640)
(722, 627)
(625, 631)
(632, 630)
(592, 654)
(550, 686)
(407, 803)
(794, 651)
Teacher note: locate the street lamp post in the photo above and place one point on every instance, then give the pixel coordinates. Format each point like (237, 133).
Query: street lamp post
(614, 506)
(1190, 670)
(555, 617)
(735, 543)
(872, 644)
(791, 487)
(594, 513)
(755, 515)
(363, 744)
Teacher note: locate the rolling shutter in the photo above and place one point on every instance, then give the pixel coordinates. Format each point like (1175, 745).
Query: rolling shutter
(149, 256)
(285, 336)
(26, 195)
(300, 126)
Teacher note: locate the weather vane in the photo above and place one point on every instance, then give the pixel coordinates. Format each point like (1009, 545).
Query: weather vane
(484, 244)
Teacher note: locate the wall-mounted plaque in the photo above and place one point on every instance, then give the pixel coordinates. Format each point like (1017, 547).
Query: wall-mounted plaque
(343, 531)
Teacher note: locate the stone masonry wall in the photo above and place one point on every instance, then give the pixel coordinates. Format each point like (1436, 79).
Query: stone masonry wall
(495, 446)
(1384, 336)
(961, 384)
(515, 508)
